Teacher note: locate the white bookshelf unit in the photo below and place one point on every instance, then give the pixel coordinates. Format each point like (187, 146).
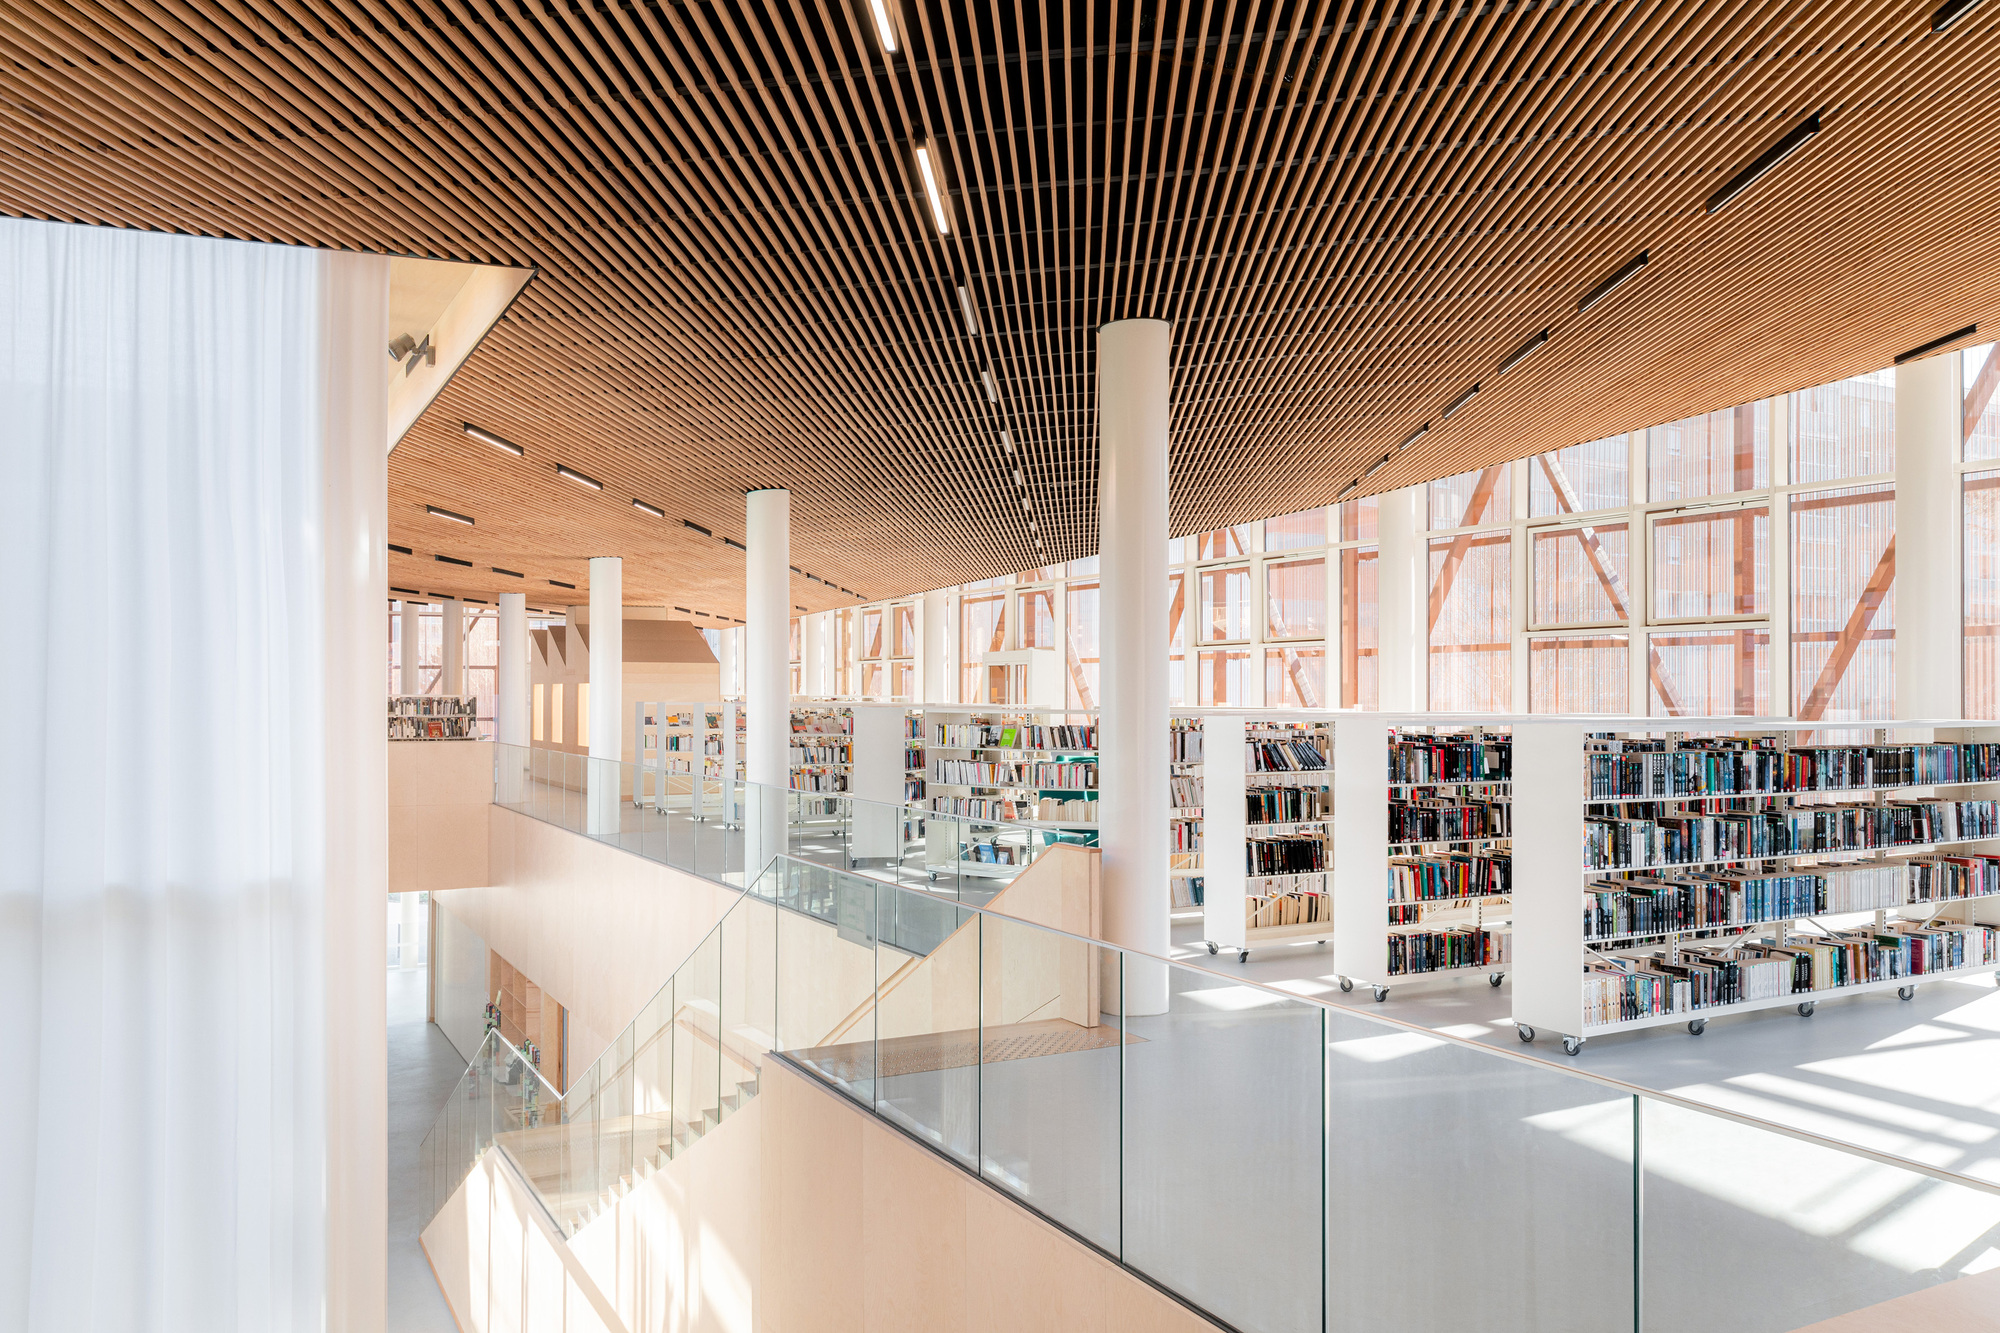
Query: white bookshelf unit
(1186, 828)
(822, 754)
(1275, 887)
(433, 717)
(1424, 860)
(1722, 866)
(1035, 769)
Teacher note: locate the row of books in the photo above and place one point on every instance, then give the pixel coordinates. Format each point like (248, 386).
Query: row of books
(913, 789)
(1445, 821)
(819, 754)
(1287, 805)
(969, 773)
(1184, 835)
(1295, 907)
(675, 742)
(1733, 769)
(1283, 856)
(1187, 890)
(1186, 792)
(1047, 809)
(433, 705)
(1014, 736)
(995, 853)
(1661, 906)
(1422, 759)
(805, 779)
(1622, 989)
(1635, 844)
(1416, 951)
(1943, 878)
(1455, 875)
(1284, 757)
(433, 728)
(821, 724)
(1184, 745)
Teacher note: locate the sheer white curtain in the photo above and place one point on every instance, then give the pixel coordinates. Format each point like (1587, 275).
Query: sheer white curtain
(179, 522)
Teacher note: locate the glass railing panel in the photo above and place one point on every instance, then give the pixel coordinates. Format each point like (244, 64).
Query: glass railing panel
(653, 1080)
(927, 1032)
(1785, 1233)
(1517, 1176)
(697, 1039)
(747, 983)
(1050, 1069)
(826, 970)
(1223, 1120)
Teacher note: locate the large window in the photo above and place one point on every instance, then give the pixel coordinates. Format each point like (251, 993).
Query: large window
(1844, 603)
(1081, 626)
(1295, 599)
(1980, 369)
(1038, 618)
(1225, 604)
(1579, 576)
(1845, 429)
(982, 629)
(1718, 453)
(1472, 498)
(1304, 530)
(1982, 594)
(1578, 673)
(1581, 478)
(1710, 564)
(1360, 609)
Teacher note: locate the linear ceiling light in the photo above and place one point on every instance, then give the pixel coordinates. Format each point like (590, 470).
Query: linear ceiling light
(992, 385)
(1459, 402)
(654, 510)
(1766, 160)
(885, 31)
(435, 512)
(410, 592)
(738, 545)
(931, 189)
(1952, 13)
(401, 550)
(508, 572)
(971, 315)
(578, 477)
(1935, 343)
(452, 560)
(1626, 272)
(1419, 434)
(488, 437)
(1380, 463)
(1352, 487)
(1006, 441)
(1018, 479)
(1523, 352)
(558, 583)
(690, 523)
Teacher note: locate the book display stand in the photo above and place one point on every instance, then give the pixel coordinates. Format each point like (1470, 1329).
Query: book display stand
(822, 752)
(433, 717)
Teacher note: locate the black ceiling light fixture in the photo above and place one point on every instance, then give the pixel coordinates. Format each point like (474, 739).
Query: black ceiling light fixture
(1623, 274)
(401, 550)
(1934, 344)
(564, 470)
(452, 560)
(1458, 402)
(1952, 12)
(435, 512)
(488, 437)
(558, 583)
(645, 508)
(1415, 435)
(1766, 160)
(1523, 352)
(508, 572)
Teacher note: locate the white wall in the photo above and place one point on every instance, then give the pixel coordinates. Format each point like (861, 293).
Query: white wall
(459, 970)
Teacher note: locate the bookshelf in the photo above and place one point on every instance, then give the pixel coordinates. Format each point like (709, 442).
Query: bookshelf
(822, 753)
(1267, 788)
(1185, 827)
(1669, 875)
(433, 717)
(667, 745)
(877, 779)
(1423, 817)
(1036, 769)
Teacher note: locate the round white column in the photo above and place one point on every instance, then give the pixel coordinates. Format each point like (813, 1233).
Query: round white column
(510, 697)
(607, 678)
(453, 680)
(726, 665)
(406, 630)
(1132, 809)
(767, 709)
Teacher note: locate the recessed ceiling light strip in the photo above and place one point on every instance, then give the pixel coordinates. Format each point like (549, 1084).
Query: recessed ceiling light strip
(1416, 435)
(932, 189)
(435, 512)
(1766, 160)
(1934, 344)
(1458, 403)
(1624, 274)
(1951, 13)
(1523, 352)
(488, 437)
(563, 470)
(643, 507)
(885, 31)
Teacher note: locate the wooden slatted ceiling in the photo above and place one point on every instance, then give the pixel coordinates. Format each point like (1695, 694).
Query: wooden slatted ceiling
(1350, 214)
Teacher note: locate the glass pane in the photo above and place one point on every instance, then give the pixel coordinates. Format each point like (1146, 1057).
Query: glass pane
(1222, 676)
(1521, 1175)
(1472, 629)
(1844, 603)
(928, 1029)
(1225, 603)
(1796, 1232)
(1578, 674)
(1295, 532)
(1081, 677)
(1711, 673)
(1295, 599)
(1717, 453)
(1583, 477)
(904, 640)
(1359, 628)
(1295, 678)
(871, 633)
(1712, 564)
(1579, 576)
(826, 965)
(1472, 498)
(795, 639)
(1844, 429)
(982, 629)
(1223, 1123)
(1356, 519)
(1038, 618)
(1225, 542)
(1980, 369)
(1982, 594)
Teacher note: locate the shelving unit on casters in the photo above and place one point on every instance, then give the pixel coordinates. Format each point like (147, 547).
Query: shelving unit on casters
(1225, 880)
(1556, 764)
(935, 720)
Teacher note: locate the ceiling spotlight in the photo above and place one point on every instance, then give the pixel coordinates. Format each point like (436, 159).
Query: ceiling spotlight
(435, 512)
(488, 437)
(1624, 274)
(579, 478)
(1523, 352)
(931, 189)
(1766, 160)
(654, 510)
(1459, 402)
(885, 31)
(1418, 434)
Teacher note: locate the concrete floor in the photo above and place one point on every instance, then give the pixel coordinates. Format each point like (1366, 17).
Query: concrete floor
(423, 1067)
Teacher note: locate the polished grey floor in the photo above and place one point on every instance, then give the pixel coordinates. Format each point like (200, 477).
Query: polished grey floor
(422, 1069)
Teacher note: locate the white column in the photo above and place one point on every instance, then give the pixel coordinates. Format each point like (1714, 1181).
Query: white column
(607, 678)
(412, 678)
(1132, 406)
(1403, 589)
(1929, 588)
(453, 680)
(935, 658)
(511, 697)
(727, 664)
(767, 720)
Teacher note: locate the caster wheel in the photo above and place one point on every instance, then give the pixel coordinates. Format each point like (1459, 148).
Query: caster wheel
(1571, 1045)
(1319, 941)
(1347, 983)
(1806, 1009)
(1381, 994)
(1527, 1033)
(1211, 948)
(1697, 1026)
(1243, 956)
(1906, 993)
(1494, 980)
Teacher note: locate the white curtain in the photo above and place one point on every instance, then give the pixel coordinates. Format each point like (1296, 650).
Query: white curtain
(164, 899)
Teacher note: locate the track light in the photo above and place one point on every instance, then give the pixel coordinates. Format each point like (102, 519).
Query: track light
(1934, 344)
(1766, 160)
(1418, 434)
(1952, 13)
(488, 437)
(1626, 272)
(931, 189)
(885, 31)
(435, 512)
(1459, 402)
(654, 510)
(1523, 352)
(578, 477)
(971, 315)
